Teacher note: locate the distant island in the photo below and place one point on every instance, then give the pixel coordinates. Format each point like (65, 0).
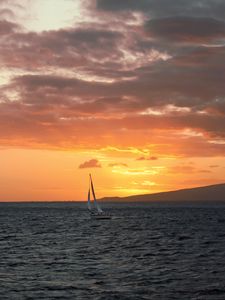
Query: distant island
(206, 193)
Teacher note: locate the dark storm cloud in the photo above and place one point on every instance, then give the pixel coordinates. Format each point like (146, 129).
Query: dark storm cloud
(186, 29)
(162, 8)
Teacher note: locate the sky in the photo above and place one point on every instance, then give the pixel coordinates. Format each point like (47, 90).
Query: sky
(129, 91)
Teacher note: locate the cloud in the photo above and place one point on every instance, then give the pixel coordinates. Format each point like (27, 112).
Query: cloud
(93, 163)
(7, 27)
(204, 171)
(147, 158)
(170, 82)
(52, 113)
(162, 8)
(116, 5)
(135, 74)
(6, 13)
(186, 169)
(83, 47)
(186, 29)
(118, 165)
(6, 9)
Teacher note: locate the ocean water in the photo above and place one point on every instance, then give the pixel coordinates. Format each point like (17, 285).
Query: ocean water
(147, 251)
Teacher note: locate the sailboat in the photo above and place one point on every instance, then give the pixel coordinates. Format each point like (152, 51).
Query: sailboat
(95, 210)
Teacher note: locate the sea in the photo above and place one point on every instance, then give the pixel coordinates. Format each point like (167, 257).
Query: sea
(146, 251)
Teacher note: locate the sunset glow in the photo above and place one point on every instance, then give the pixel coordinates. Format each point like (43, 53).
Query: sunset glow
(132, 93)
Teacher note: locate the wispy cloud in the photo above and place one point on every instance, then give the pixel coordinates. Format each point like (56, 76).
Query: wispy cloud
(118, 165)
(147, 158)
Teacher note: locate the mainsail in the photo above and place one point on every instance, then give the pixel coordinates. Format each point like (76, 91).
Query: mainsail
(96, 205)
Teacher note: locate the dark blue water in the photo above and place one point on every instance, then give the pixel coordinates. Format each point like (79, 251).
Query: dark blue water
(54, 251)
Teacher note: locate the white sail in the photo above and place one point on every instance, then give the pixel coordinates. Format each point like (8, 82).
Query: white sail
(98, 208)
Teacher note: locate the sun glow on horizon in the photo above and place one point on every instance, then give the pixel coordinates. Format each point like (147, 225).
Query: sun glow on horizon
(46, 175)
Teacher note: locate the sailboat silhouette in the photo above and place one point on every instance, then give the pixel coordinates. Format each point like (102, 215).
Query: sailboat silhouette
(95, 209)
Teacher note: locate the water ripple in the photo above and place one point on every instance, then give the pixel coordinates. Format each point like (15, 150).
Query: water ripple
(54, 251)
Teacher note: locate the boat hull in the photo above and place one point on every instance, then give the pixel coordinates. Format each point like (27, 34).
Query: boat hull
(101, 217)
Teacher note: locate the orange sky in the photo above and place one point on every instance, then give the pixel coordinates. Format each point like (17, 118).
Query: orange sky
(132, 92)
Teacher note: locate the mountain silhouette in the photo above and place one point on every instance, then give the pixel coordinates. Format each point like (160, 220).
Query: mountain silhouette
(206, 193)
